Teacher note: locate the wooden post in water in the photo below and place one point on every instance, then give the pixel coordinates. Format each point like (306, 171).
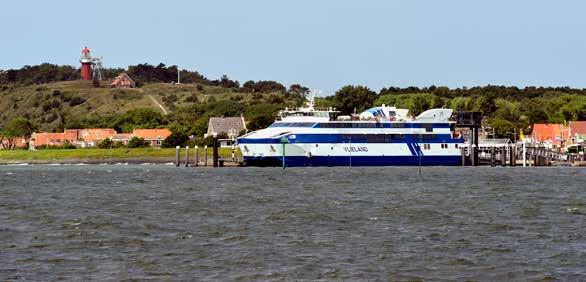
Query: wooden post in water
(195, 156)
(215, 149)
(524, 153)
(177, 157)
(504, 156)
(233, 150)
(205, 155)
(535, 157)
(186, 156)
(473, 155)
(463, 152)
(512, 156)
(492, 156)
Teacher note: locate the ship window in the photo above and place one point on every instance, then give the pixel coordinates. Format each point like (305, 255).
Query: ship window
(456, 145)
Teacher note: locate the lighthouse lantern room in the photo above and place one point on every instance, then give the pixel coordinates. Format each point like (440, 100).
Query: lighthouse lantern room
(86, 64)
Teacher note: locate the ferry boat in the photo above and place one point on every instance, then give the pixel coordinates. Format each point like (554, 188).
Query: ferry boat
(380, 136)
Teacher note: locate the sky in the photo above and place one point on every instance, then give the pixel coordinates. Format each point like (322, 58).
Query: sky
(321, 44)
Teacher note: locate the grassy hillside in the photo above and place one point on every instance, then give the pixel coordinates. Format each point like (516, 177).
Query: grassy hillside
(47, 105)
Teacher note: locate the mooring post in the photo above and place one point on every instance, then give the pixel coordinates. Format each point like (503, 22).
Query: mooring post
(492, 156)
(463, 152)
(512, 156)
(215, 149)
(535, 157)
(195, 156)
(284, 141)
(524, 153)
(205, 155)
(233, 150)
(473, 155)
(177, 157)
(186, 156)
(504, 155)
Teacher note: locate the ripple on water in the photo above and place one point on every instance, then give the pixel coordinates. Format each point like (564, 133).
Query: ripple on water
(157, 222)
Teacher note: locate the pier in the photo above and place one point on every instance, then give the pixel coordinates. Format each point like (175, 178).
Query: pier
(201, 157)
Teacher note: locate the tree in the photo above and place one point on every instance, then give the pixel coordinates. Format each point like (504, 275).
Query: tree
(175, 139)
(350, 98)
(17, 128)
(297, 89)
(139, 118)
(105, 144)
(260, 122)
(137, 142)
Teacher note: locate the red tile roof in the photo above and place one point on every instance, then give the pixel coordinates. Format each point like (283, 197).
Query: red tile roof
(123, 81)
(96, 134)
(577, 127)
(553, 132)
(56, 139)
(152, 134)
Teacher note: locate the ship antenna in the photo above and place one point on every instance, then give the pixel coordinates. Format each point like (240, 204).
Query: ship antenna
(311, 99)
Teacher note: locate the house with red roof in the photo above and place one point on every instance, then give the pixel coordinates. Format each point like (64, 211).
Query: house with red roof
(123, 80)
(53, 139)
(155, 136)
(91, 137)
(577, 131)
(552, 133)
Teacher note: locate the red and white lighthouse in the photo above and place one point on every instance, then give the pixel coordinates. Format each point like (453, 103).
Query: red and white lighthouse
(86, 64)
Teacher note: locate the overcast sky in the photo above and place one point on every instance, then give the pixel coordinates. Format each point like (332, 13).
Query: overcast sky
(321, 44)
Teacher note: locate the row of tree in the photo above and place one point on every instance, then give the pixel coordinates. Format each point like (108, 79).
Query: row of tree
(507, 109)
(141, 73)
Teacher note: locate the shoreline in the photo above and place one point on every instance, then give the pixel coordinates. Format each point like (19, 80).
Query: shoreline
(90, 161)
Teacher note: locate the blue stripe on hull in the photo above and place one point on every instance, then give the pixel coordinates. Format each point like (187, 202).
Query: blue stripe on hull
(341, 138)
(296, 161)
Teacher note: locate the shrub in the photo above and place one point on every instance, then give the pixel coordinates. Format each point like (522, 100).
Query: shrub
(175, 139)
(191, 98)
(125, 94)
(105, 144)
(137, 142)
(76, 100)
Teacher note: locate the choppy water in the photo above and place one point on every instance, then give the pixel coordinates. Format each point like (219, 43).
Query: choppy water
(361, 224)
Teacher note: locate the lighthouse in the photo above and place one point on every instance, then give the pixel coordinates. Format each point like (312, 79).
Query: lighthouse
(86, 64)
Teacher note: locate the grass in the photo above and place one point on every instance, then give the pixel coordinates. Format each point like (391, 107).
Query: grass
(101, 154)
(28, 101)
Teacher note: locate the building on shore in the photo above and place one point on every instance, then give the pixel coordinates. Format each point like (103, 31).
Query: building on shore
(231, 126)
(91, 137)
(123, 80)
(39, 139)
(577, 131)
(554, 134)
(13, 143)
(155, 137)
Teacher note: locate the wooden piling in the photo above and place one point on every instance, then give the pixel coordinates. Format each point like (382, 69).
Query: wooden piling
(195, 156)
(504, 156)
(215, 150)
(474, 155)
(513, 155)
(205, 155)
(177, 157)
(463, 152)
(186, 156)
(492, 156)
